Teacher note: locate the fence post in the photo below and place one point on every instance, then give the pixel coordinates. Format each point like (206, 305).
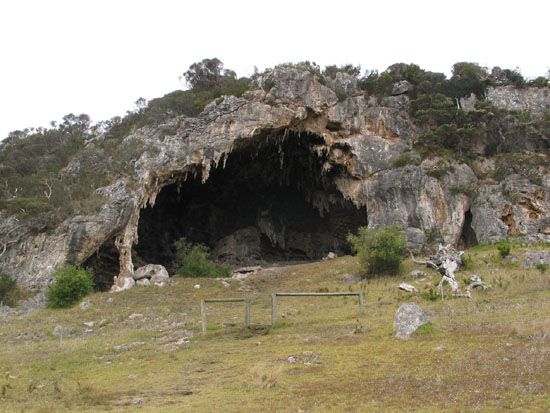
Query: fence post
(362, 302)
(203, 317)
(246, 313)
(273, 308)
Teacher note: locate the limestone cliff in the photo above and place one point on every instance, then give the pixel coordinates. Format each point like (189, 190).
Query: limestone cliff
(348, 147)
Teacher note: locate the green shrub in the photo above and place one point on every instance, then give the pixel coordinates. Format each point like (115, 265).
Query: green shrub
(504, 248)
(193, 261)
(404, 159)
(8, 289)
(71, 284)
(542, 267)
(380, 250)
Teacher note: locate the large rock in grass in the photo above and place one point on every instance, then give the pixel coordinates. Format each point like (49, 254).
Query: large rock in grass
(408, 318)
(534, 258)
(150, 271)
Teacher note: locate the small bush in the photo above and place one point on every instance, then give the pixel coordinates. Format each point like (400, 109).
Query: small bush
(404, 159)
(8, 290)
(71, 284)
(425, 330)
(380, 250)
(193, 261)
(504, 248)
(431, 294)
(542, 267)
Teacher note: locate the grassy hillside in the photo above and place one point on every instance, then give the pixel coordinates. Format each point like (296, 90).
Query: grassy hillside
(488, 353)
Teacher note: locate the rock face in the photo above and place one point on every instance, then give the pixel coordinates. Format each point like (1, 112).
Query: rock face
(536, 99)
(328, 151)
(408, 318)
(534, 258)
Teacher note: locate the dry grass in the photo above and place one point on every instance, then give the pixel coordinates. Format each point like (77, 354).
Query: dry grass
(488, 353)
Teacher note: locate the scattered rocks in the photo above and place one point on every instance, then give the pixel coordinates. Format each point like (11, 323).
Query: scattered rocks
(197, 286)
(89, 324)
(407, 287)
(134, 316)
(417, 274)
(534, 258)
(85, 305)
(408, 318)
(129, 346)
(291, 359)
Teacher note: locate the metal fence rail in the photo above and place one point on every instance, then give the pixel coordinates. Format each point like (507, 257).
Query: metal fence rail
(246, 302)
(359, 294)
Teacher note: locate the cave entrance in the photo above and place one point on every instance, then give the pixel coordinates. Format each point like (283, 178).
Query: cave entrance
(271, 200)
(468, 236)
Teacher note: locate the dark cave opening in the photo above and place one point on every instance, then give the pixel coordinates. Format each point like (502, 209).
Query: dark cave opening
(104, 264)
(468, 236)
(273, 199)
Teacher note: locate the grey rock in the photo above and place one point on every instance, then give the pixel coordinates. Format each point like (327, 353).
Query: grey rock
(468, 103)
(407, 287)
(144, 282)
(534, 258)
(401, 87)
(343, 84)
(150, 271)
(37, 302)
(408, 318)
(416, 238)
(85, 305)
(417, 274)
(243, 246)
(535, 99)
(351, 278)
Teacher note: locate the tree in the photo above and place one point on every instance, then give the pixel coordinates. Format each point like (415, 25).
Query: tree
(207, 74)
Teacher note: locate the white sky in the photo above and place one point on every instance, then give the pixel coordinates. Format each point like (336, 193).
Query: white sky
(99, 56)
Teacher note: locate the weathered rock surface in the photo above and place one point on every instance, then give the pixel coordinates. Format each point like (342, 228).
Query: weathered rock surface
(359, 136)
(534, 258)
(535, 99)
(151, 271)
(408, 318)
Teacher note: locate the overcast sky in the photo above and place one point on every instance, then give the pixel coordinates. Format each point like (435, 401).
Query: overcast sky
(99, 56)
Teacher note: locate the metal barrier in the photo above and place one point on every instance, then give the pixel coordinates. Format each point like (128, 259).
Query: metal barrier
(359, 295)
(246, 302)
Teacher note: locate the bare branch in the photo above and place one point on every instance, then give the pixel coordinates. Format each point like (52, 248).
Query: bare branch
(48, 192)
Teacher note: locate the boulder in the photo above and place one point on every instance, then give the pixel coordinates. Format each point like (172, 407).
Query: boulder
(144, 282)
(401, 87)
(408, 318)
(407, 287)
(417, 274)
(535, 258)
(150, 271)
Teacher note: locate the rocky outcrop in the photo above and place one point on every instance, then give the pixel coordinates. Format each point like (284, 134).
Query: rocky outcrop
(535, 99)
(359, 139)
